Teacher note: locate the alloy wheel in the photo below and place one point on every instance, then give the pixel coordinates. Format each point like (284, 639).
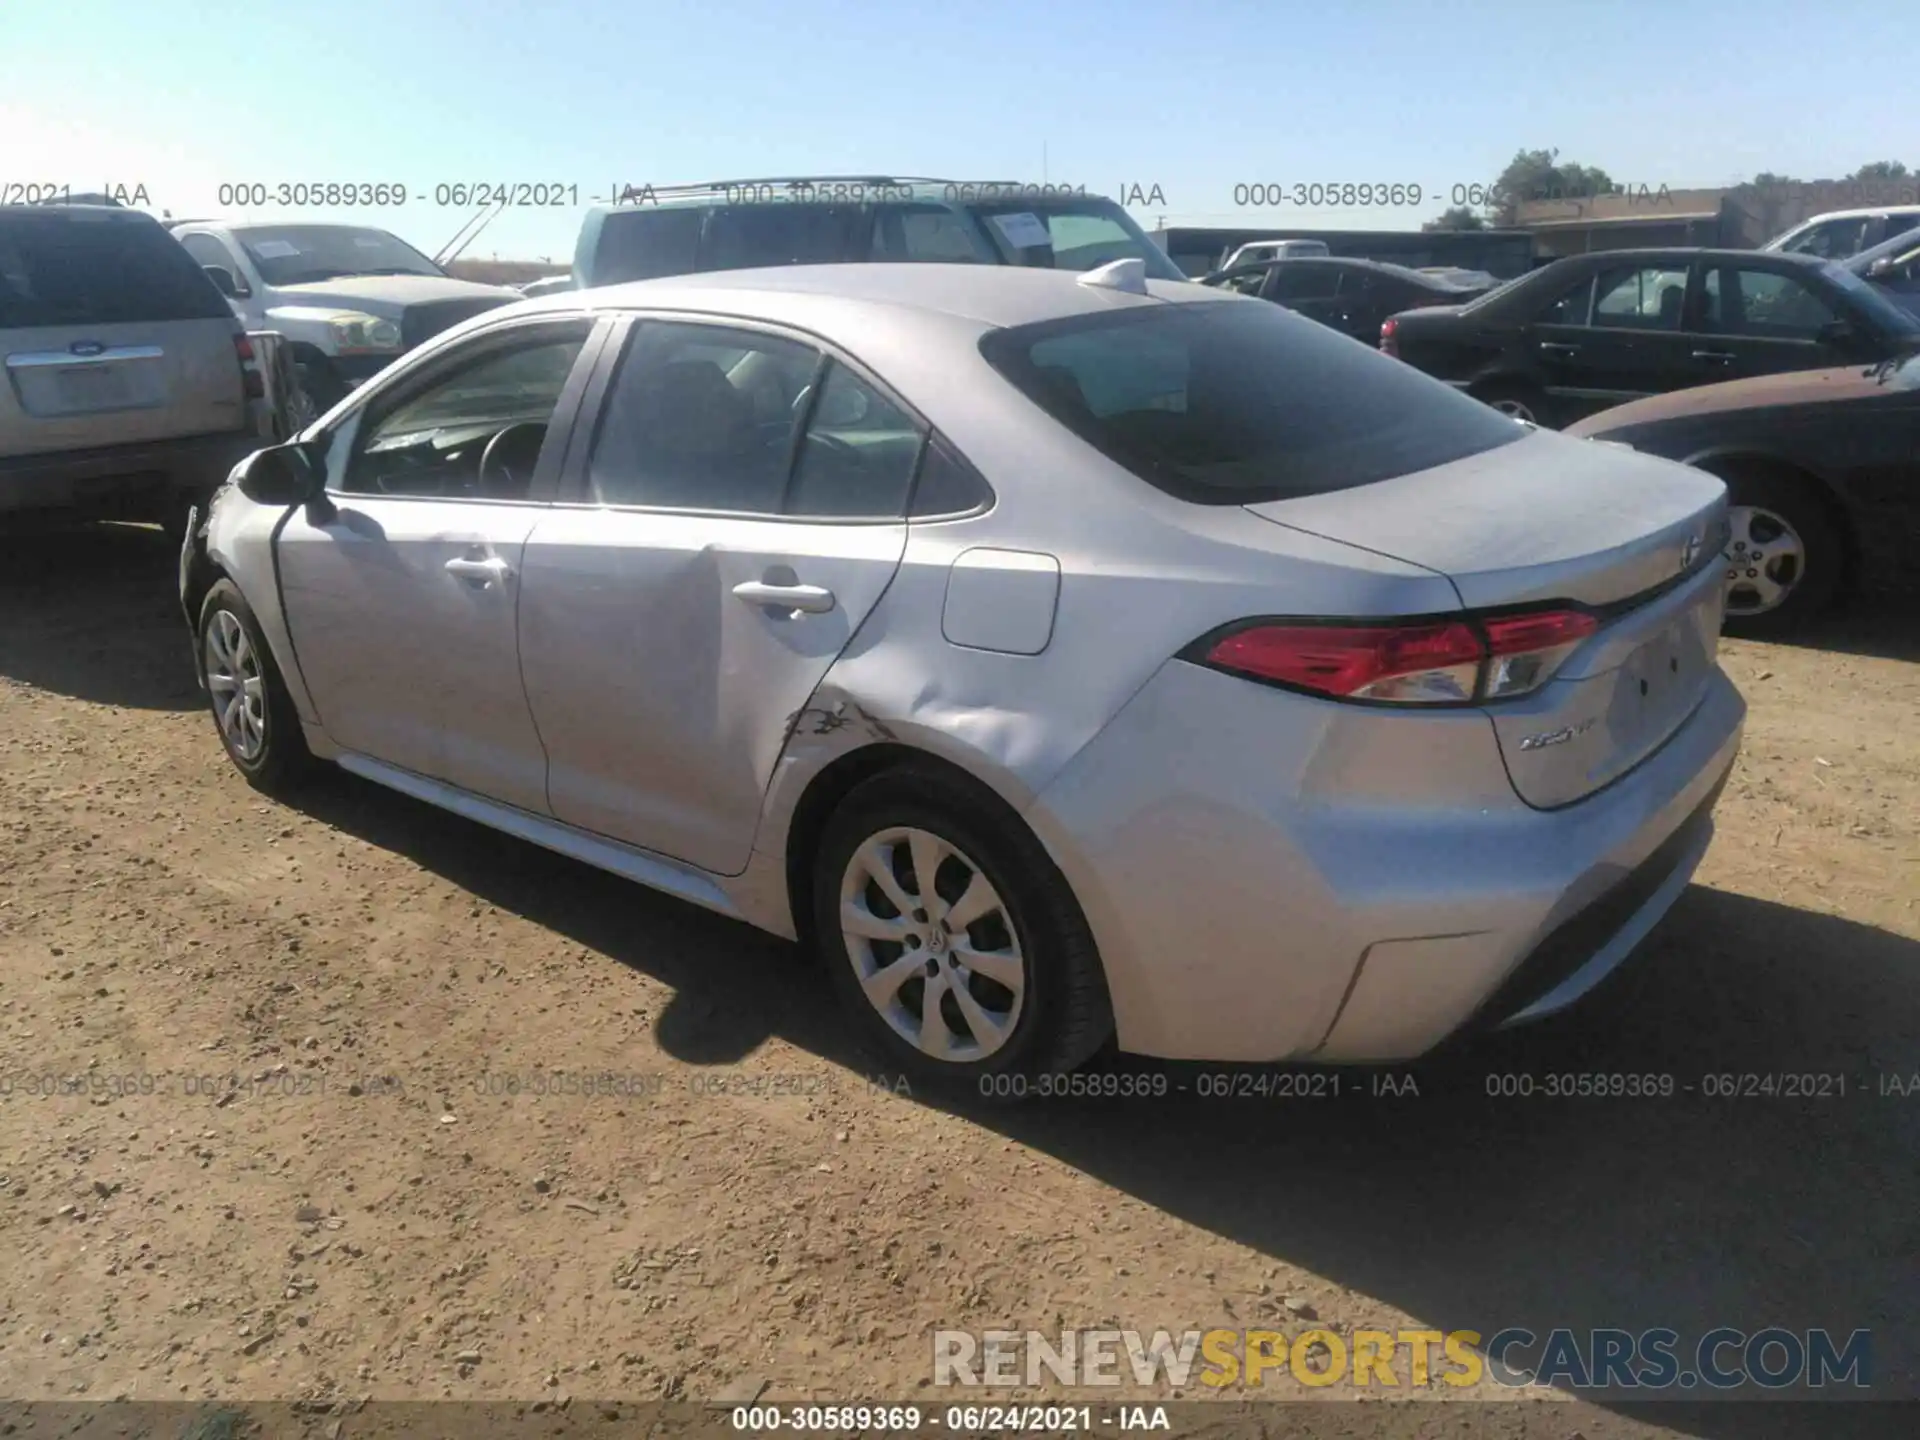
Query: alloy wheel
(237, 686)
(1765, 560)
(932, 944)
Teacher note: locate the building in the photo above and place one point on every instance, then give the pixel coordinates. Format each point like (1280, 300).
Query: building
(1740, 216)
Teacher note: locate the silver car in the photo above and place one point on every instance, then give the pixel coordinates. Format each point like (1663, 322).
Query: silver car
(1072, 660)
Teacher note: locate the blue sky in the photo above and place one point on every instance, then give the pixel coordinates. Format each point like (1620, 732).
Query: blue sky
(1195, 98)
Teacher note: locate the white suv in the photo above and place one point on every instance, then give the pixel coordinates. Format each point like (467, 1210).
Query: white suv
(1842, 234)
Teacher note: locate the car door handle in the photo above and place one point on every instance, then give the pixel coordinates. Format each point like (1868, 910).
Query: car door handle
(808, 598)
(1555, 347)
(1723, 357)
(485, 571)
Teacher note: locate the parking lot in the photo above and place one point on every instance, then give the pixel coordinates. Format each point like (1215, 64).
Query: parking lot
(277, 1125)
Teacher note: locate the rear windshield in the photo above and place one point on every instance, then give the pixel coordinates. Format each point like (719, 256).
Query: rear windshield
(98, 268)
(1237, 402)
(1078, 236)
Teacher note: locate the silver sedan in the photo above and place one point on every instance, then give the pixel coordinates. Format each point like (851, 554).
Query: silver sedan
(1073, 660)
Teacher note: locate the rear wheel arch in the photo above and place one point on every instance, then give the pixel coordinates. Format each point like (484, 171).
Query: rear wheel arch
(826, 791)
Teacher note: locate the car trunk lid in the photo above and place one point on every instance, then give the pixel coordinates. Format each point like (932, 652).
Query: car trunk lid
(119, 384)
(1553, 521)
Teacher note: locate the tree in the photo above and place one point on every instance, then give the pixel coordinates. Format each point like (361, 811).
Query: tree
(1767, 177)
(1460, 217)
(1540, 175)
(1882, 170)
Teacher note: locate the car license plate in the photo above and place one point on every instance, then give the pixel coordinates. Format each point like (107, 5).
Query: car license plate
(92, 387)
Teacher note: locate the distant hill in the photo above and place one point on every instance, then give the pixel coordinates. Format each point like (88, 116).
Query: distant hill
(504, 272)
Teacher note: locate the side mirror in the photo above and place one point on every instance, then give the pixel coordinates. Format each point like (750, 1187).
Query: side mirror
(223, 280)
(281, 475)
(1880, 267)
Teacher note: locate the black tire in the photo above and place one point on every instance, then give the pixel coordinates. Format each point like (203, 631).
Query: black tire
(321, 387)
(1514, 396)
(1819, 576)
(1064, 1014)
(283, 759)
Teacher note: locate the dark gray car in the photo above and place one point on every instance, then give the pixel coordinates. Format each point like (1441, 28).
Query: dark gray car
(1592, 331)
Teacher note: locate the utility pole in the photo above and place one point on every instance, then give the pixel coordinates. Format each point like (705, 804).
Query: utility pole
(1043, 162)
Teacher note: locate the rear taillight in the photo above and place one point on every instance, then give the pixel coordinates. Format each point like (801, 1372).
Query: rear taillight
(1446, 662)
(1388, 344)
(1523, 651)
(256, 385)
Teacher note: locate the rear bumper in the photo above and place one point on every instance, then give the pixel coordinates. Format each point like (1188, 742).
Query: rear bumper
(1370, 885)
(119, 481)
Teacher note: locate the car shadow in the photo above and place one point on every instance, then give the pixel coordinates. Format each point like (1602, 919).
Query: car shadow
(1453, 1200)
(1436, 1189)
(1881, 624)
(93, 612)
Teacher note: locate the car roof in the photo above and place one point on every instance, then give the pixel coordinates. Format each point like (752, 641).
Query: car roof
(229, 223)
(917, 190)
(127, 211)
(1857, 214)
(1690, 253)
(986, 296)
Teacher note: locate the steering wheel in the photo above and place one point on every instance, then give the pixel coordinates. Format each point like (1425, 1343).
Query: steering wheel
(511, 485)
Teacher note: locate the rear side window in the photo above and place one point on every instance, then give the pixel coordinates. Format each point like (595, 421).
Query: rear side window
(936, 233)
(1231, 403)
(81, 268)
(745, 237)
(645, 245)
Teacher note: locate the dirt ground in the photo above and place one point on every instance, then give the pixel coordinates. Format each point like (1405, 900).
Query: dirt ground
(280, 1158)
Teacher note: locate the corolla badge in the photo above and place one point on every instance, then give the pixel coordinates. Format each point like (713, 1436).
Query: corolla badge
(1689, 553)
(1560, 736)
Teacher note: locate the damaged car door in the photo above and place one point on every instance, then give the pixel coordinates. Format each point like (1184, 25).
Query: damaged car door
(739, 512)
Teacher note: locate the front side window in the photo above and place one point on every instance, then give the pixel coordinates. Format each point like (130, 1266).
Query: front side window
(473, 433)
(306, 254)
(1225, 403)
(1573, 308)
(702, 417)
(1644, 298)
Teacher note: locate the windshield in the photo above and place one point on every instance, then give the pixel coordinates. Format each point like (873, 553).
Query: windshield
(1082, 235)
(1234, 402)
(1874, 300)
(302, 254)
(1902, 249)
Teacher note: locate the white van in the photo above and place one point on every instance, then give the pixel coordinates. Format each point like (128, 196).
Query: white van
(1263, 250)
(1841, 234)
